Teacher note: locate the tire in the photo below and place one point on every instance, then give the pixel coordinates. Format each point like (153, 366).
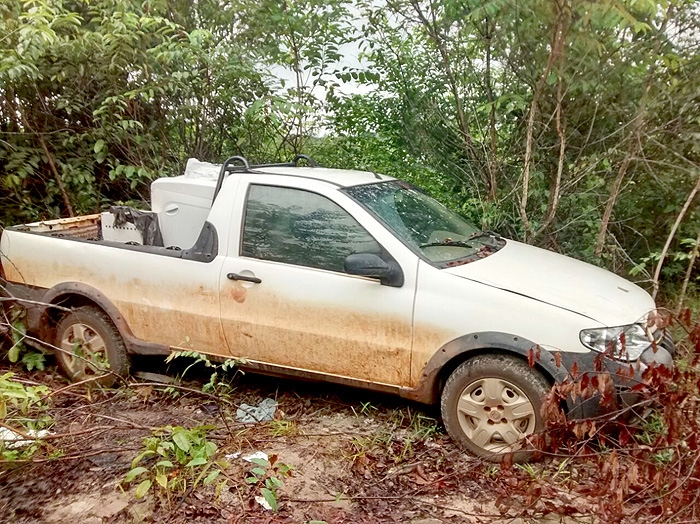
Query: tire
(89, 346)
(490, 403)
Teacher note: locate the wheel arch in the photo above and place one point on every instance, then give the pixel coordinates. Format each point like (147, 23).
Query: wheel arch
(76, 294)
(451, 355)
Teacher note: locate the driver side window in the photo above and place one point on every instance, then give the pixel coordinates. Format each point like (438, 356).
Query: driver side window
(302, 228)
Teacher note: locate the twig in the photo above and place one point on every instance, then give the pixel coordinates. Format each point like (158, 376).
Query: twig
(76, 433)
(183, 388)
(68, 457)
(124, 421)
(34, 303)
(70, 386)
(25, 436)
(395, 497)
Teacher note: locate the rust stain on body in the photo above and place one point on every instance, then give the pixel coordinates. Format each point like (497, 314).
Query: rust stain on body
(238, 292)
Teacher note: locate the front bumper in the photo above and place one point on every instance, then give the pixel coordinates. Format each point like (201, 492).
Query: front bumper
(624, 376)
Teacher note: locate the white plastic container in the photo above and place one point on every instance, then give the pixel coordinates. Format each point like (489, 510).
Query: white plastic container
(182, 204)
(124, 233)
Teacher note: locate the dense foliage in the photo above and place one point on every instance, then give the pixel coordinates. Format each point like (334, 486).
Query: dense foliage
(572, 124)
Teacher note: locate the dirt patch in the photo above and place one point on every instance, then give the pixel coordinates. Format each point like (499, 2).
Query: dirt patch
(87, 508)
(355, 457)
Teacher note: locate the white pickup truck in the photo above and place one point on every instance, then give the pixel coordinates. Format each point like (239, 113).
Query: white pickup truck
(333, 275)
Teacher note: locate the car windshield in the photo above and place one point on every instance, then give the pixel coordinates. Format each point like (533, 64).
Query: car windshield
(430, 229)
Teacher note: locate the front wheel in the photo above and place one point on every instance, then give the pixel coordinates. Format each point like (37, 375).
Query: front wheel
(490, 404)
(90, 346)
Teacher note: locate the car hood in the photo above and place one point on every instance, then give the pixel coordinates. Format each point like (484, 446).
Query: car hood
(561, 281)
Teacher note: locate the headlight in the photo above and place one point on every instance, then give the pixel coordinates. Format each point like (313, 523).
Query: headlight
(622, 343)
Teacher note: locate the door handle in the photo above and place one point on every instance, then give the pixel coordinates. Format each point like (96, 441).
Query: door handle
(245, 278)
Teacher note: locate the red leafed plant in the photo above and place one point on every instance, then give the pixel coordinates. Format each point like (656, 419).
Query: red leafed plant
(637, 463)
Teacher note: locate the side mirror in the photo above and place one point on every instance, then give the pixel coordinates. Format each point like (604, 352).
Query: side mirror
(372, 266)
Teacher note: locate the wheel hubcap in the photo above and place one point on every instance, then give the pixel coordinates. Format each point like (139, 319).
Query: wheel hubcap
(84, 351)
(495, 414)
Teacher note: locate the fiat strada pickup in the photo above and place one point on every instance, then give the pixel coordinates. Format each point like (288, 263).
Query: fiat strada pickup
(334, 275)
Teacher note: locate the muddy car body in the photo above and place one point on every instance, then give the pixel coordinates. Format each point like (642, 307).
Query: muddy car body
(332, 275)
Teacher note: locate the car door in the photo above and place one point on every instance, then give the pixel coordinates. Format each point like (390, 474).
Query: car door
(296, 307)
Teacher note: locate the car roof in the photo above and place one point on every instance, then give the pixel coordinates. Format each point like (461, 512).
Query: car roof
(338, 177)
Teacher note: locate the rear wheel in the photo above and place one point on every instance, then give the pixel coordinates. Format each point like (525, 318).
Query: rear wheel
(491, 403)
(90, 346)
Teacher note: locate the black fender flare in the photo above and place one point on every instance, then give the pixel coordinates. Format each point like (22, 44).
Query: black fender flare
(466, 346)
(39, 317)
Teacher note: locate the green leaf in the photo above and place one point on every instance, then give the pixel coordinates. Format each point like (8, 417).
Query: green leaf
(132, 474)
(258, 471)
(143, 488)
(33, 360)
(165, 464)
(273, 483)
(140, 457)
(162, 480)
(181, 440)
(211, 477)
(13, 353)
(209, 448)
(270, 498)
(99, 146)
(197, 461)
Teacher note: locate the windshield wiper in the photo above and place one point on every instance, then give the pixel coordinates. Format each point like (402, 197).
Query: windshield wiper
(482, 234)
(450, 243)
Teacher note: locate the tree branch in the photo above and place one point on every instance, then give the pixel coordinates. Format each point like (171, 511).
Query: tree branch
(672, 234)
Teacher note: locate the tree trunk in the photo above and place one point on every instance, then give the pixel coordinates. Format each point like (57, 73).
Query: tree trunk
(614, 193)
(555, 186)
(297, 142)
(672, 234)
(688, 273)
(57, 177)
(462, 120)
(493, 161)
(49, 158)
(633, 140)
(557, 48)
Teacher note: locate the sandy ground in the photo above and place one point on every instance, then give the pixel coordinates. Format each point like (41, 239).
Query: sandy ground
(356, 457)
